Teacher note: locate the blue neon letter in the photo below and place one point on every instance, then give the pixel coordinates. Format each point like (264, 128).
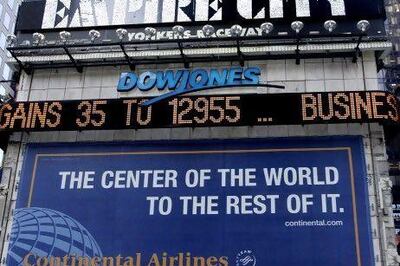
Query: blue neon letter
(252, 75)
(168, 79)
(127, 82)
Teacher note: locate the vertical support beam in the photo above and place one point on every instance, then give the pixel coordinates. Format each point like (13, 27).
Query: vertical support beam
(239, 53)
(184, 57)
(78, 67)
(127, 58)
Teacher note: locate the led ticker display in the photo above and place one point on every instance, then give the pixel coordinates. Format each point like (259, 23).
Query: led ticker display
(202, 111)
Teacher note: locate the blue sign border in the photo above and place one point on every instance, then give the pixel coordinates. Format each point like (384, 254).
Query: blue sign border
(353, 144)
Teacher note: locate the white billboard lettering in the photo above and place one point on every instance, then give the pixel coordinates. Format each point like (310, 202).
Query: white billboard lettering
(303, 8)
(50, 12)
(151, 11)
(134, 5)
(202, 10)
(276, 8)
(76, 20)
(245, 8)
(183, 10)
(87, 13)
(338, 8)
(100, 10)
(216, 8)
(169, 10)
(120, 11)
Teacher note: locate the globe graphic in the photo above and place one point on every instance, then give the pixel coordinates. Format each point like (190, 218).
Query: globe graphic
(48, 233)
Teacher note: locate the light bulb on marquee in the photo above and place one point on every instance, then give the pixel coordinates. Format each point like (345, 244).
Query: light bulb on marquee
(121, 33)
(178, 30)
(38, 38)
(363, 25)
(236, 30)
(208, 30)
(297, 26)
(267, 27)
(94, 34)
(11, 39)
(64, 35)
(330, 25)
(150, 32)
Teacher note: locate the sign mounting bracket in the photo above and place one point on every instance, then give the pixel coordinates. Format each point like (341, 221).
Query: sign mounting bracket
(184, 57)
(21, 65)
(239, 53)
(78, 67)
(357, 50)
(127, 58)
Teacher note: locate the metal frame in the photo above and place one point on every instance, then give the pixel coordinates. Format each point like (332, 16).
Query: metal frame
(12, 82)
(125, 46)
(78, 67)
(321, 38)
(183, 56)
(240, 54)
(127, 58)
(297, 51)
(95, 63)
(357, 51)
(21, 65)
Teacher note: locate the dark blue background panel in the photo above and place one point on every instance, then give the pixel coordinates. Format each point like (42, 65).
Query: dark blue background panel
(317, 215)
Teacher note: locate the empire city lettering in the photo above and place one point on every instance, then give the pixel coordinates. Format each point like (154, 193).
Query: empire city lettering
(181, 259)
(167, 11)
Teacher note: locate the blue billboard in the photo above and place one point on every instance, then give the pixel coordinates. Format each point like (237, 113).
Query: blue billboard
(289, 201)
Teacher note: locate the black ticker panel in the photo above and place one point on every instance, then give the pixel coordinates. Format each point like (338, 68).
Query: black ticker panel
(202, 111)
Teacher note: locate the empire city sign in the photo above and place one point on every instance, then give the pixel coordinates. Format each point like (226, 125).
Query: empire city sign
(57, 14)
(119, 12)
(185, 81)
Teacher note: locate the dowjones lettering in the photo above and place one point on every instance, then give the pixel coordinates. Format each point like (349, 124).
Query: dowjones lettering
(184, 80)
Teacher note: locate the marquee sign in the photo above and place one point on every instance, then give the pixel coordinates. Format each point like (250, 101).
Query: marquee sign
(53, 15)
(202, 111)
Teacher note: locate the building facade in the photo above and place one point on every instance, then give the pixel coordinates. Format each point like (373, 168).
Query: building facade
(8, 15)
(392, 83)
(393, 16)
(203, 144)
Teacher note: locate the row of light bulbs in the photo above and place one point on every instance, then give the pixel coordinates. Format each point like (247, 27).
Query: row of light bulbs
(208, 31)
